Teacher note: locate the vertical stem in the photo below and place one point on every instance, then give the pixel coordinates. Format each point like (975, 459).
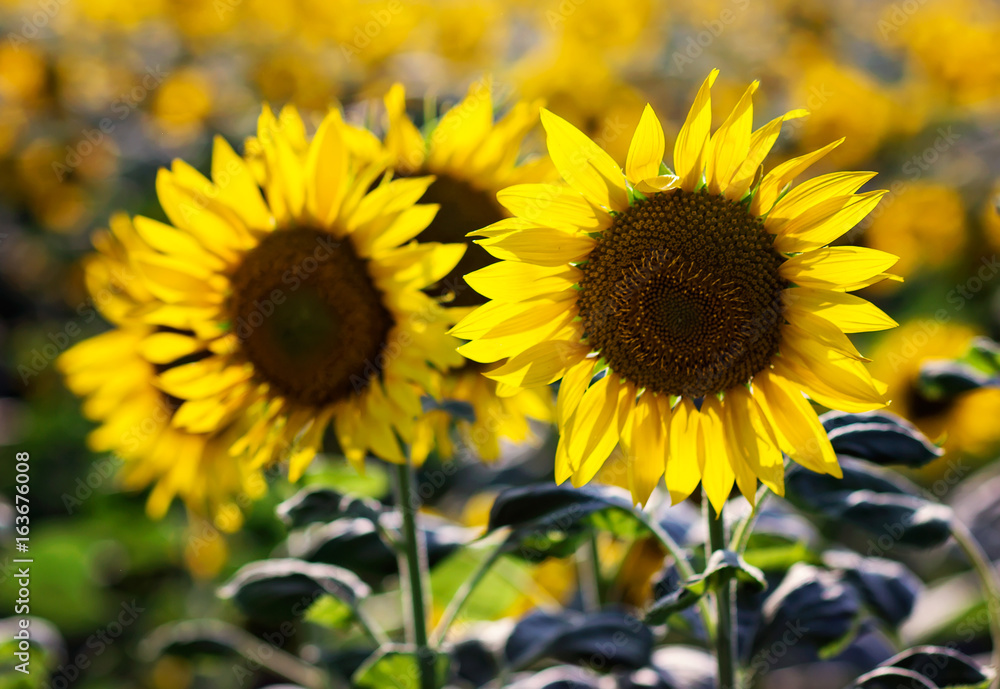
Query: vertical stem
(589, 574)
(414, 561)
(990, 582)
(725, 637)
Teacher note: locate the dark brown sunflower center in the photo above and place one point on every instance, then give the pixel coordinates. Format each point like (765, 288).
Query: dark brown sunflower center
(309, 317)
(463, 209)
(682, 294)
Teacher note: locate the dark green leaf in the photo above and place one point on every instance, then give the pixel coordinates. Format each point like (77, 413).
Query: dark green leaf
(319, 504)
(561, 677)
(879, 437)
(194, 638)
(548, 506)
(671, 597)
(284, 589)
(891, 510)
(889, 588)
(551, 521)
(942, 380)
(892, 678)
(604, 640)
(357, 545)
(722, 566)
(810, 603)
(903, 519)
(944, 667)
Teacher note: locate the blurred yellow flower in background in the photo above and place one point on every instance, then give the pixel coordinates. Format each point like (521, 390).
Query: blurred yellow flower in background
(116, 373)
(924, 224)
(967, 424)
(472, 157)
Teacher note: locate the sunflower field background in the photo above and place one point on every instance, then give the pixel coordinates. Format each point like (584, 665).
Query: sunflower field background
(176, 547)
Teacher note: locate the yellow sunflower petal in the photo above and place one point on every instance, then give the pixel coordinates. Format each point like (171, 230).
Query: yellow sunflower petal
(833, 267)
(689, 149)
(572, 387)
(237, 187)
(777, 179)
(795, 424)
(646, 436)
(761, 142)
(403, 140)
(591, 444)
(541, 364)
(849, 313)
(552, 205)
(327, 169)
(165, 348)
(513, 281)
(717, 475)
(584, 165)
(645, 153)
(729, 146)
(752, 441)
(542, 246)
(825, 222)
(811, 192)
(682, 472)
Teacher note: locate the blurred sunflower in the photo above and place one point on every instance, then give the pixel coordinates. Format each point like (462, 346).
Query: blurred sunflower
(116, 372)
(965, 424)
(686, 312)
(302, 310)
(924, 225)
(471, 157)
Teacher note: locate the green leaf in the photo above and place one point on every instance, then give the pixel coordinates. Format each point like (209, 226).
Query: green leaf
(943, 380)
(322, 504)
(944, 667)
(890, 510)
(500, 588)
(285, 589)
(879, 437)
(393, 667)
(193, 639)
(722, 566)
(774, 553)
(551, 521)
(330, 612)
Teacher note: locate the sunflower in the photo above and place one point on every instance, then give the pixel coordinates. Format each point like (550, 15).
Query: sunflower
(117, 371)
(685, 311)
(302, 307)
(472, 157)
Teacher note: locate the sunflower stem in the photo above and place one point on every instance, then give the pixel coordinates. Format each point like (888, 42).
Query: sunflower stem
(741, 533)
(414, 562)
(989, 579)
(725, 637)
(462, 595)
(589, 568)
(680, 561)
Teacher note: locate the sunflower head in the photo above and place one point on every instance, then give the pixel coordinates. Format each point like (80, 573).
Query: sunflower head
(286, 295)
(117, 372)
(472, 154)
(686, 310)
